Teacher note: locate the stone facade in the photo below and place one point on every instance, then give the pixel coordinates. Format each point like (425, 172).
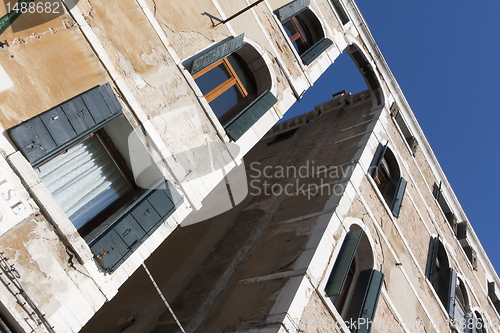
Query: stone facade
(264, 265)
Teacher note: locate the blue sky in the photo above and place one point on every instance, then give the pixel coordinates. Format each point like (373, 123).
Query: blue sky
(444, 56)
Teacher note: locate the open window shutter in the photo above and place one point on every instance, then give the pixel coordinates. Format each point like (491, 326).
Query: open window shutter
(315, 51)
(134, 225)
(291, 9)
(242, 122)
(365, 299)
(216, 54)
(344, 260)
(44, 136)
(377, 159)
(398, 197)
(470, 323)
(450, 303)
(432, 257)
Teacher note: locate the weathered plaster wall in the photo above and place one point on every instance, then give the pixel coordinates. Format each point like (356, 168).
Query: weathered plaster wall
(49, 64)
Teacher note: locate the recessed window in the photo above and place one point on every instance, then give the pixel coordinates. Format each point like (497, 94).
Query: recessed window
(385, 172)
(303, 29)
(299, 34)
(89, 181)
(83, 151)
(228, 86)
(235, 80)
(353, 278)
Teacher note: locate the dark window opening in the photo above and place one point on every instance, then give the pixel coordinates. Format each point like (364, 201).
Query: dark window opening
(340, 11)
(283, 136)
(385, 172)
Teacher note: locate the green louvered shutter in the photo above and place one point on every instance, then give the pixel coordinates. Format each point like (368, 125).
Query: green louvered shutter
(46, 135)
(377, 159)
(242, 122)
(216, 54)
(315, 51)
(365, 299)
(291, 9)
(344, 260)
(398, 197)
(113, 245)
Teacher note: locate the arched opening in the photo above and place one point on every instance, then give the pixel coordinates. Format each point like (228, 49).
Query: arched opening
(480, 326)
(353, 277)
(385, 171)
(233, 76)
(304, 30)
(368, 73)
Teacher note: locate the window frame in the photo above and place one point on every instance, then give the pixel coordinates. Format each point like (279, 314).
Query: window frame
(232, 81)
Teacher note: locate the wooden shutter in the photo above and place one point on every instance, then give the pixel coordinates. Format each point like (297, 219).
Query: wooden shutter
(216, 54)
(398, 197)
(291, 9)
(377, 159)
(134, 225)
(242, 122)
(450, 289)
(432, 257)
(365, 299)
(344, 260)
(470, 323)
(53, 131)
(315, 51)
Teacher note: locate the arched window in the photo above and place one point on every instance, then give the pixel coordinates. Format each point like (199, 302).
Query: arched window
(235, 80)
(228, 85)
(353, 278)
(303, 29)
(385, 172)
(480, 326)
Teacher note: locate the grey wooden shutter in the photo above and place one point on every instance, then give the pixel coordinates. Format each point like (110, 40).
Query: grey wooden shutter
(113, 245)
(291, 9)
(315, 51)
(365, 299)
(377, 159)
(398, 197)
(44, 136)
(216, 54)
(344, 260)
(432, 257)
(470, 323)
(450, 289)
(242, 122)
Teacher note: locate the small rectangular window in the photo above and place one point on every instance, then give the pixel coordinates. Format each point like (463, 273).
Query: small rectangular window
(344, 18)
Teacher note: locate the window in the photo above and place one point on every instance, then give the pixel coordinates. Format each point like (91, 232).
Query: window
(449, 288)
(480, 326)
(340, 11)
(304, 30)
(88, 181)
(235, 81)
(352, 279)
(384, 170)
(80, 150)
(299, 34)
(228, 86)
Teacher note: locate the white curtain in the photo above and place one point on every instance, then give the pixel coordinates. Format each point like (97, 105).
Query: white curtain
(84, 180)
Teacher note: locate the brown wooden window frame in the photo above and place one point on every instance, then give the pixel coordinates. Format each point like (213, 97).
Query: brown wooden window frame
(234, 80)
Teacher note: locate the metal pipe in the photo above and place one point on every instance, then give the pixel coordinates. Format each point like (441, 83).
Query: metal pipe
(239, 13)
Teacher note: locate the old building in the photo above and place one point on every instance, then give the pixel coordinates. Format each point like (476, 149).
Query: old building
(123, 119)
(119, 117)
